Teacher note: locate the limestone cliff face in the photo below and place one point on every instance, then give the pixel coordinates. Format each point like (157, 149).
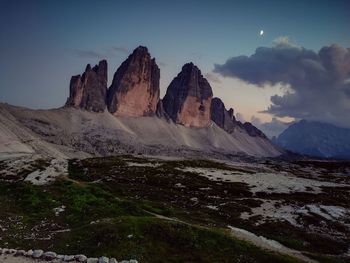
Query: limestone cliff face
(188, 98)
(135, 88)
(88, 91)
(227, 121)
(221, 116)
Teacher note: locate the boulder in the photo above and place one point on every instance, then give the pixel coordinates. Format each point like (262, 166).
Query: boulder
(80, 258)
(29, 253)
(49, 255)
(103, 260)
(68, 258)
(188, 98)
(92, 260)
(113, 260)
(88, 91)
(20, 253)
(37, 253)
(135, 87)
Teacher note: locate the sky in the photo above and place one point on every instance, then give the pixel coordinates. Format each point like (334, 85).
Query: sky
(44, 43)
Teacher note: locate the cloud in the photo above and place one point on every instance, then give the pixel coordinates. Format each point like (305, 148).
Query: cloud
(212, 77)
(121, 50)
(86, 53)
(240, 117)
(283, 41)
(318, 81)
(110, 52)
(273, 128)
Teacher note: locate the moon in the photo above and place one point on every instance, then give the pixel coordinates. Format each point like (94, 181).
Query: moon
(261, 33)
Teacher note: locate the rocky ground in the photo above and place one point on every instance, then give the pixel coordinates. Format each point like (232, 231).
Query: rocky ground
(173, 210)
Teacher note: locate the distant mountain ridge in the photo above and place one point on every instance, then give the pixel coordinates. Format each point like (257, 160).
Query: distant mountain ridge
(316, 139)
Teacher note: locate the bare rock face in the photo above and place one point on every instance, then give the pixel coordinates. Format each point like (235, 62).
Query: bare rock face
(227, 121)
(135, 88)
(221, 116)
(252, 130)
(188, 98)
(88, 91)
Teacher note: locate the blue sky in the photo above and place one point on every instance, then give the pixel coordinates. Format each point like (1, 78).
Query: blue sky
(44, 43)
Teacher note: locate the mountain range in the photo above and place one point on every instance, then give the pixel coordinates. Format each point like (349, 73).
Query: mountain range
(316, 139)
(130, 117)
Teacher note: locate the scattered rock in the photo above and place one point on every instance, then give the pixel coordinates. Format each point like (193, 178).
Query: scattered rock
(188, 98)
(194, 199)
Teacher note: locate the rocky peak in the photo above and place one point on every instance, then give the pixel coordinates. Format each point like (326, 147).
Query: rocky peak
(188, 98)
(252, 130)
(135, 88)
(88, 91)
(231, 114)
(227, 121)
(221, 116)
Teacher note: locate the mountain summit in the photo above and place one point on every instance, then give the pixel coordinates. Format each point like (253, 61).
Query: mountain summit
(88, 91)
(135, 88)
(316, 139)
(188, 98)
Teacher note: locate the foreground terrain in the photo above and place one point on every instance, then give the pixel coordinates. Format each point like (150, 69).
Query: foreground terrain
(174, 210)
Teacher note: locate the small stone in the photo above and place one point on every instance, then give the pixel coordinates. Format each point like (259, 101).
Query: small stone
(113, 260)
(20, 253)
(194, 199)
(29, 253)
(5, 251)
(103, 260)
(12, 251)
(68, 258)
(37, 253)
(133, 261)
(92, 260)
(49, 255)
(60, 257)
(80, 258)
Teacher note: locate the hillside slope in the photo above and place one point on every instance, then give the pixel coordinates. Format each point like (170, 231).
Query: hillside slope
(67, 129)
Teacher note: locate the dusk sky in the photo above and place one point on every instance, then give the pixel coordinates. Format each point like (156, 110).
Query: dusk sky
(44, 43)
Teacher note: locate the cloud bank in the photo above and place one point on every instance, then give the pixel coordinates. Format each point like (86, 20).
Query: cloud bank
(319, 82)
